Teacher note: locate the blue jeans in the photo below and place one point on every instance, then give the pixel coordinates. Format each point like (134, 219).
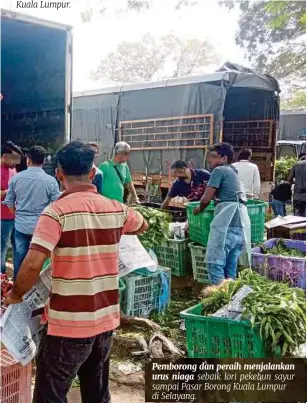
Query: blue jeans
(279, 208)
(22, 243)
(233, 247)
(7, 238)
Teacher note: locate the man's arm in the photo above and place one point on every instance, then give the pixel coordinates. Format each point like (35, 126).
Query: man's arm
(27, 276)
(213, 184)
(205, 200)
(3, 194)
(55, 191)
(46, 236)
(131, 189)
(256, 182)
(135, 223)
(166, 202)
(174, 192)
(291, 175)
(10, 197)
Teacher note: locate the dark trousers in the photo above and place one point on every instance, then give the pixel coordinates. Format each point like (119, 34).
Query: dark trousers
(299, 208)
(60, 359)
(22, 245)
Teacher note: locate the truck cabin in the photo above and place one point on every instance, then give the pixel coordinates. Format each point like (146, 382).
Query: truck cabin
(290, 148)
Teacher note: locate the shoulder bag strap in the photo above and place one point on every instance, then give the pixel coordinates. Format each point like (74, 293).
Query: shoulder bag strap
(118, 174)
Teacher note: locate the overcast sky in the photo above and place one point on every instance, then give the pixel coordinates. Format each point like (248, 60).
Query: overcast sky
(92, 41)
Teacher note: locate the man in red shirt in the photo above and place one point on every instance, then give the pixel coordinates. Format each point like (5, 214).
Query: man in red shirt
(10, 157)
(81, 231)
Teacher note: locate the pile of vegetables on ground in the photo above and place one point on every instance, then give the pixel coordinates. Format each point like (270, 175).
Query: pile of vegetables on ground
(276, 309)
(282, 249)
(158, 226)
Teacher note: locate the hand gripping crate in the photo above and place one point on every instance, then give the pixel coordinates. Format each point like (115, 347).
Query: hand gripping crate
(200, 271)
(281, 268)
(214, 337)
(199, 225)
(142, 294)
(16, 380)
(175, 254)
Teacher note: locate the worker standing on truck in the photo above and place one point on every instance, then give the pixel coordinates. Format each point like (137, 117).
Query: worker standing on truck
(81, 230)
(298, 176)
(230, 229)
(29, 192)
(116, 175)
(190, 183)
(248, 174)
(98, 178)
(10, 157)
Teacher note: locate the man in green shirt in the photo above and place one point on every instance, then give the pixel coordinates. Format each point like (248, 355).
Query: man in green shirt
(116, 175)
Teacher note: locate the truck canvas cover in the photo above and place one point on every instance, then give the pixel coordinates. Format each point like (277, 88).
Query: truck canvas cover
(200, 102)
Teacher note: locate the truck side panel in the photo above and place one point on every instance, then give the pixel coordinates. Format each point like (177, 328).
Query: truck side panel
(36, 82)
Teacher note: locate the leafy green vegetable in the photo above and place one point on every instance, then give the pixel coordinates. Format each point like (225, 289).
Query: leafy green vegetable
(283, 167)
(158, 226)
(281, 249)
(277, 310)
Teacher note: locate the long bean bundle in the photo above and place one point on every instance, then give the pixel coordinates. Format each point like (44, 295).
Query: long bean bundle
(277, 310)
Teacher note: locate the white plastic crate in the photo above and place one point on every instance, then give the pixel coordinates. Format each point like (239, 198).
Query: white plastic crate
(142, 293)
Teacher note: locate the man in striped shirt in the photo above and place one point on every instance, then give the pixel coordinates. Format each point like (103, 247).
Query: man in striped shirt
(81, 231)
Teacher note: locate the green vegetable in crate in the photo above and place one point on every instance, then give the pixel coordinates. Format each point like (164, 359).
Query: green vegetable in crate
(281, 249)
(158, 226)
(279, 312)
(275, 308)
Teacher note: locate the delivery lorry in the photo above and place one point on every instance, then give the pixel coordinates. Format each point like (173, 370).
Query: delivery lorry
(36, 81)
(179, 118)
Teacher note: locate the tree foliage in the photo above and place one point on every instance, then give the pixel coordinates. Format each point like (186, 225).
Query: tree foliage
(297, 100)
(273, 35)
(155, 58)
(102, 6)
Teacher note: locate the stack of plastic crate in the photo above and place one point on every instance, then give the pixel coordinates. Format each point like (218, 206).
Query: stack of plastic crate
(199, 228)
(144, 294)
(15, 380)
(175, 254)
(281, 268)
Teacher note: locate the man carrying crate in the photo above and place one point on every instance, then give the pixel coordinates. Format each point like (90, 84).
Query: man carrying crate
(230, 229)
(81, 231)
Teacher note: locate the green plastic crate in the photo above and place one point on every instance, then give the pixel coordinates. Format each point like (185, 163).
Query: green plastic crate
(175, 254)
(200, 272)
(210, 337)
(199, 226)
(256, 211)
(142, 293)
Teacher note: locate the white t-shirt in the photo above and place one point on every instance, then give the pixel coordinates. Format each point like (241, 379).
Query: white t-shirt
(250, 177)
